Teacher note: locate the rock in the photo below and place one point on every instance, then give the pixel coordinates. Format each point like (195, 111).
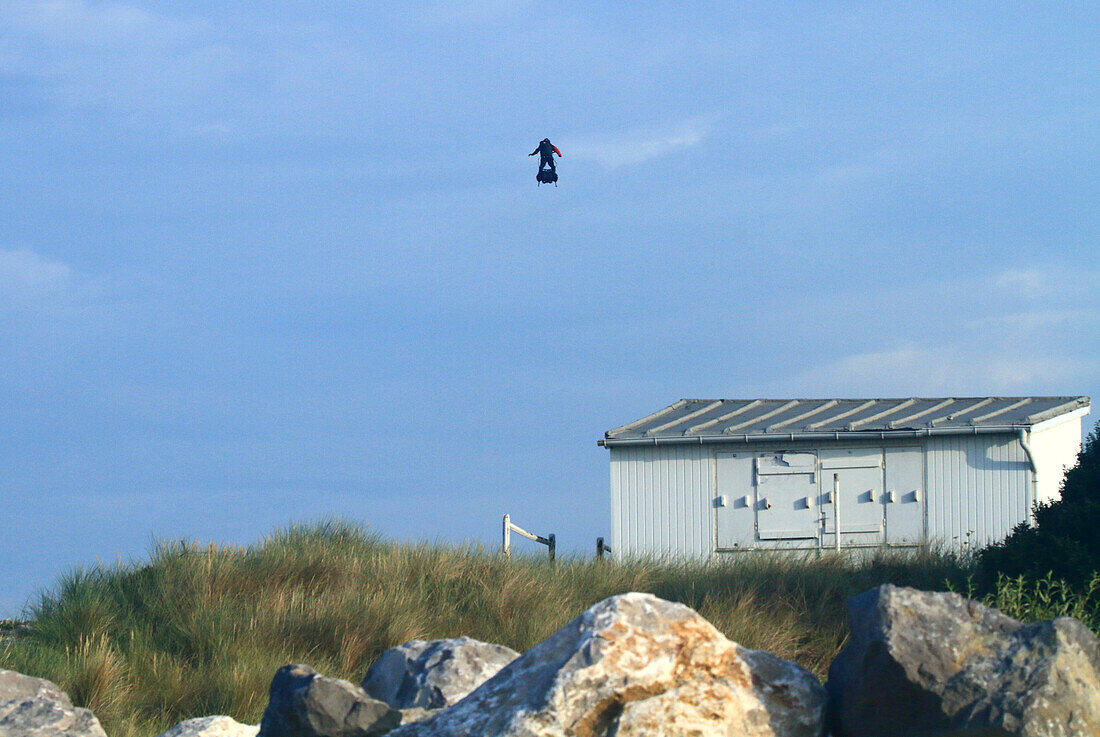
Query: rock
(636, 665)
(35, 707)
(416, 714)
(18, 687)
(434, 674)
(216, 726)
(920, 663)
(304, 703)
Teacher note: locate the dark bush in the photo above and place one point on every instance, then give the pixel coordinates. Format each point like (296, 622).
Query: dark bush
(1065, 540)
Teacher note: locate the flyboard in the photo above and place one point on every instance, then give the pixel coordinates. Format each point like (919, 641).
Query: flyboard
(547, 176)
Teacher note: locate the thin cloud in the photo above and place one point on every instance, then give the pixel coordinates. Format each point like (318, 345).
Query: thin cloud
(639, 146)
(932, 370)
(1032, 320)
(27, 278)
(1024, 282)
(482, 11)
(80, 21)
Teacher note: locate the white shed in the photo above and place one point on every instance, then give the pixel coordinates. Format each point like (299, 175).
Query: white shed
(709, 476)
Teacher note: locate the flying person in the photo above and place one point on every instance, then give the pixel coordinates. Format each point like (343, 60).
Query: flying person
(546, 151)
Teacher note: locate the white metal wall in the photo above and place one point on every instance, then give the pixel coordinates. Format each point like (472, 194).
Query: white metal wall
(977, 488)
(661, 500)
(1055, 445)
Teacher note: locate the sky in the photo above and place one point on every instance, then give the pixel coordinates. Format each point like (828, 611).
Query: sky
(267, 263)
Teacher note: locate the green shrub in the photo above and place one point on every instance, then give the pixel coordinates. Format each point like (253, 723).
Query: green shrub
(1046, 598)
(1063, 541)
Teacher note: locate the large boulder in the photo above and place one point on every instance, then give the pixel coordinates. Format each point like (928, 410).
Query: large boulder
(216, 726)
(637, 665)
(304, 703)
(920, 663)
(35, 707)
(433, 674)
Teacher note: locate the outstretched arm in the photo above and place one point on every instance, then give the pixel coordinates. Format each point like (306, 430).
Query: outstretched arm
(533, 152)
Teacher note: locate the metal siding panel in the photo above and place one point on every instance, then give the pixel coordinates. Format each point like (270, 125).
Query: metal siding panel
(1022, 480)
(653, 498)
(668, 509)
(657, 513)
(1014, 506)
(988, 499)
(637, 485)
(953, 511)
(956, 517)
(652, 490)
(977, 468)
(976, 484)
(948, 500)
(616, 503)
(706, 488)
(679, 508)
(704, 505)
(1011, 494)
(662, 501)
(688, 520)
(1015, 480)
(999, 499)
(645, 499)
(624, 500)
(626, 508)
(703, 544)
(626, 476)
(943, 494)
(935, 502)
(965, 489)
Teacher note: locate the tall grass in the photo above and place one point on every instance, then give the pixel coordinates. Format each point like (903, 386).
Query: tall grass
(200, 630)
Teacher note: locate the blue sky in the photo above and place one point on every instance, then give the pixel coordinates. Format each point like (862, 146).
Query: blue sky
(262, 263)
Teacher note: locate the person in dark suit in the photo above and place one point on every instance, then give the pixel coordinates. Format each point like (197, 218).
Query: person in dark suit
(546, 151)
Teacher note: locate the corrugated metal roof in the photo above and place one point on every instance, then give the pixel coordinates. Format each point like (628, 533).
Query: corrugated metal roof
(743, 419)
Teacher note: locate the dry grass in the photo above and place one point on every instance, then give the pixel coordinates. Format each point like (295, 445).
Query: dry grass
(200, 630)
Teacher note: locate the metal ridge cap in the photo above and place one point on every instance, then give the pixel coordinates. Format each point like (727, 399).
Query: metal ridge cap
(1071, 404)
(819, 435)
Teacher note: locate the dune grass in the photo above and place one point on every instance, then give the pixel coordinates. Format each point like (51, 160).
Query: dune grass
(199, 630)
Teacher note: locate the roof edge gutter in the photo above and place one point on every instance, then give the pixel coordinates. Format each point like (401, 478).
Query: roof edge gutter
(789, 437)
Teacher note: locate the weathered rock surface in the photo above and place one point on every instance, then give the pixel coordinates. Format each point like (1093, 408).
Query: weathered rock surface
(215, 726)
(433, 674)
(303, 703)
(416, 714)
(636, 665)
(920, 663)
(35, 707)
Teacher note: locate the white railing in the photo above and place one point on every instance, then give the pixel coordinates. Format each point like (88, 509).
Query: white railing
(506, 547)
